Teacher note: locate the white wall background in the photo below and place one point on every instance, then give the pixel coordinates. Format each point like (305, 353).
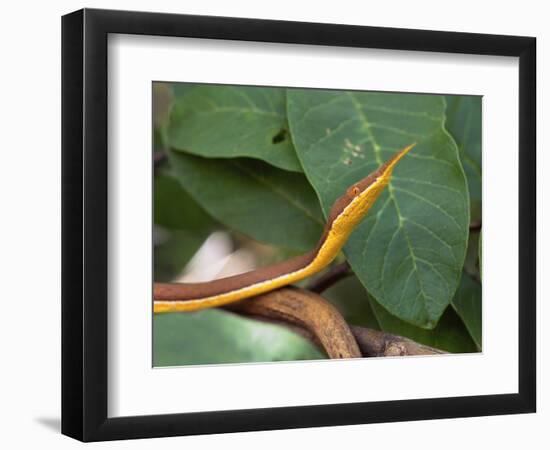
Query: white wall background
(30, 224)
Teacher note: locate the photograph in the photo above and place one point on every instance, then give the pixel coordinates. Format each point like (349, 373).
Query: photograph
(295, 224)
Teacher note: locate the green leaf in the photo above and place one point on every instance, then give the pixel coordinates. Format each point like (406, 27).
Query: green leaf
(479, 249)
(471, 261)
(351, 299)
(464, 124)
(217, 337)
(176, 209)
(182, 89)
(183, 227)
(233, 121)
(409, 250)
(358, 308)
(158, 141)
(467, 303)
(450, 333)
(265, 203)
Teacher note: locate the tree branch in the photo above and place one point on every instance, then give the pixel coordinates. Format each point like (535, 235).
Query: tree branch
(318, 319)
(475, 225)
(334, 274)
(159, 158)
(315, 318)
(378, 343)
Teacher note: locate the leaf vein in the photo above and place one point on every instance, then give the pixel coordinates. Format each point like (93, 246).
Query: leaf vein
(428, 183)
(401, 112)
(429, 202)
(280, 192)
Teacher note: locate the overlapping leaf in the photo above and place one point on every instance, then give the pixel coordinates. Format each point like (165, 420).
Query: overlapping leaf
(471, 265)
(351, 299)
(268, 204)
(449, 334)
(467, 303)
(175, 209)
(409, 251)
(358, 308)
(232, 121)
(480, 249)
(464, 124)
(216, 337)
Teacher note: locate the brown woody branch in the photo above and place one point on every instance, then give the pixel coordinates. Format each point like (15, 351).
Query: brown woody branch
(378, 343)
(332, 276)
(475, 225)
(159, 158)
(309, 314)
(315, 318)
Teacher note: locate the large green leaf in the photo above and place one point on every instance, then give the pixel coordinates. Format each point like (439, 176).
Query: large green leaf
(233, 121)
(216, 337)
(464, 124)
(351, 299)
(268, 204)
(181, 89)
(354, 303)
(175, 209)
(480, 249)
(467, 303)
(409, 251)
(449, 334)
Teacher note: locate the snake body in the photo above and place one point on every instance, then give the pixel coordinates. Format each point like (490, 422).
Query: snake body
(346, 213)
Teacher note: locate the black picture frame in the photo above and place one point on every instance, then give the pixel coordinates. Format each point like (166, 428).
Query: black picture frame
(84, 224)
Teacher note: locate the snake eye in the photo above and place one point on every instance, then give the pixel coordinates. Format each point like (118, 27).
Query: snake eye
(354, 190)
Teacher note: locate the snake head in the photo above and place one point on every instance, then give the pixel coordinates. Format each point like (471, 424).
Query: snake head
(360, 196)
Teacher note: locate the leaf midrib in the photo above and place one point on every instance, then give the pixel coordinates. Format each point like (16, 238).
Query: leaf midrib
(400, 227)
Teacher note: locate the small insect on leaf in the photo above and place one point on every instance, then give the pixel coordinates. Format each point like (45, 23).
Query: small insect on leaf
(280, 136)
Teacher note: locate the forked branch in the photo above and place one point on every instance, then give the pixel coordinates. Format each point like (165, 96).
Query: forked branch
(315, 318)
(331, 277)
(310, 314)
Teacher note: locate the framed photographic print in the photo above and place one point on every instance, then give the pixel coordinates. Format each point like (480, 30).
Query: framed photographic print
(274, 224)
